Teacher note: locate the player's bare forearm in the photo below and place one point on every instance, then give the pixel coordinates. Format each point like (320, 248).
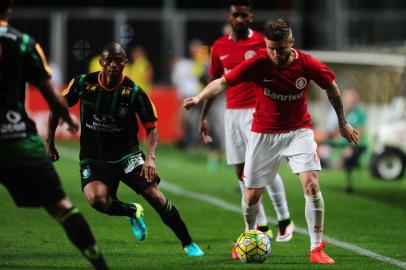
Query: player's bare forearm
(214, 88)
(55, 101)
(211, 90)
(206, 108)
(346, 130)
(53, 121)
(334, 96)
(152, 142)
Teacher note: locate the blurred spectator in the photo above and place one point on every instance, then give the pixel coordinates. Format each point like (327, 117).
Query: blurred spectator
(356, 117)
(189, 75)
(140, 69)
(94, 64)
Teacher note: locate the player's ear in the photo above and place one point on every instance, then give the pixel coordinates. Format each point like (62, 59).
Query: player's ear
(125, 61)
(101, 60)
(292, 41)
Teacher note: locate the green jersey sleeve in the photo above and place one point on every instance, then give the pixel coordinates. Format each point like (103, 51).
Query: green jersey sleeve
(71, 92)
(144, 108)
(35, 67)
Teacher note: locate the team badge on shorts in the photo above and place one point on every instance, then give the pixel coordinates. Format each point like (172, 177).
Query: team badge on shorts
(301, 83)
(86, 172)
(249, 54)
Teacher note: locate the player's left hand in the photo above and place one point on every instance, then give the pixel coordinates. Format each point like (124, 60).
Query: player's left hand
(188, 103)
(149, 169)
(348, 132)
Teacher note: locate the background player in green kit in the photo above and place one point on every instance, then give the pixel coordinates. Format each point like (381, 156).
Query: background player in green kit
(109, 147)
(25, 169)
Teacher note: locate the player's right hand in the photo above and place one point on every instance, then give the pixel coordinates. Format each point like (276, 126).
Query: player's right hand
(204, 132)
(351, 134)
(52, 152)
(73, 126)
(188, 103)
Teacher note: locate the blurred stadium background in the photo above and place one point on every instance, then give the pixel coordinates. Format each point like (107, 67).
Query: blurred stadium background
(364, 42)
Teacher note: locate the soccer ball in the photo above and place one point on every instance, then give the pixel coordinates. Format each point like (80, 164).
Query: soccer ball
(253, 247)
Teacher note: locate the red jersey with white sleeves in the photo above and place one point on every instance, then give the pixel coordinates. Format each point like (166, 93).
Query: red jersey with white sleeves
(226, 54)
(282, 92)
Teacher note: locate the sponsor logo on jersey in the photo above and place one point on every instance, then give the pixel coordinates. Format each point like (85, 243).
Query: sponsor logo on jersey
(14, 124)
(126, 91)
(301, 83)
(279, 97)
(13, 117)
(249, 54)
(223, 57)
(104, 118)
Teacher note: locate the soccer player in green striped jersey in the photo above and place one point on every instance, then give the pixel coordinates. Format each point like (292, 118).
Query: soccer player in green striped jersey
(109, 147)
(25, 169)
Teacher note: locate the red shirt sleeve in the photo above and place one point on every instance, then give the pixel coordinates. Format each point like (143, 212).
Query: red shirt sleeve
(216, 68)
(249, 70)
(319, 72)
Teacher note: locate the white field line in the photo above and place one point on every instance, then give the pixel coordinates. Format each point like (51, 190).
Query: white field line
(73, 155)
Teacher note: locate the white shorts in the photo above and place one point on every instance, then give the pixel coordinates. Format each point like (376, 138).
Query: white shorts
(237, 123)
(266, 151)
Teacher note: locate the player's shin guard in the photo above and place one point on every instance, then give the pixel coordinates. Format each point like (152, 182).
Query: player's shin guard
(250, 213)
(171, 217)
(276, 192)
(79, 233)
(314, 212)
(114, 207)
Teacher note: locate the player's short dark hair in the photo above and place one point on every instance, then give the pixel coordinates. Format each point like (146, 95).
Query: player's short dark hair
(277, 29)
(245, 3)
(5, 5)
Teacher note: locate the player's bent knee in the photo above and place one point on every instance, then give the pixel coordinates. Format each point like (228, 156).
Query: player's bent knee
(97, 201)
(55, 210)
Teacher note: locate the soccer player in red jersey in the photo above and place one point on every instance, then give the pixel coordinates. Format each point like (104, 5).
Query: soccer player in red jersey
(281, 127)
(227, 52)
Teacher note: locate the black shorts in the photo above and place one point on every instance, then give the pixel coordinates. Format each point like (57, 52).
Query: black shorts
(128, 170)
(29, 176)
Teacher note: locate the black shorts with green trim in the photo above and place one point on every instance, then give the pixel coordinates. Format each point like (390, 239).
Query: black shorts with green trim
(28, 174)
(127, 170)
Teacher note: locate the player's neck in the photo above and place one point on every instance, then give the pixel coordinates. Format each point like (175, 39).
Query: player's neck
(110, 82)
(237, 36)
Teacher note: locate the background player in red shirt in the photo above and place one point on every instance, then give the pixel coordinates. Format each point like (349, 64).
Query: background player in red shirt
(227, 52)
(282, 125)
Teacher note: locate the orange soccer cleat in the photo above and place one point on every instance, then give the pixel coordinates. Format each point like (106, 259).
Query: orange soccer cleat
(317, 255)
(234, 255)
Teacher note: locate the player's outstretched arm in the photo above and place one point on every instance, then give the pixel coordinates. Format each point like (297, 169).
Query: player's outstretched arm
(57, 104)
(346, 130)
(50, 141)
(149, 168)
(203, 125)
(211, 90)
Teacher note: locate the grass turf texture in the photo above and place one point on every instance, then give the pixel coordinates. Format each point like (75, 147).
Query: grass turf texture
(373, 217)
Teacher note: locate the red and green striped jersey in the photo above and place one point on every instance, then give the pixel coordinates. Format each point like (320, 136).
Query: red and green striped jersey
(109, 126)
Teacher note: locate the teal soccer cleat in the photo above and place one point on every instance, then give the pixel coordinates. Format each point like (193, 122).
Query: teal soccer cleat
(193, 250)
(137, 223)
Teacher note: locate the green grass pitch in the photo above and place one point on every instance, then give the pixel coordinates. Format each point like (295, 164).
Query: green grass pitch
(372, 218)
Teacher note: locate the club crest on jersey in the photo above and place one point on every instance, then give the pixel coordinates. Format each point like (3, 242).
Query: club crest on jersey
(301, 83)
(122, 112)
(86, 172)
(249, 54)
